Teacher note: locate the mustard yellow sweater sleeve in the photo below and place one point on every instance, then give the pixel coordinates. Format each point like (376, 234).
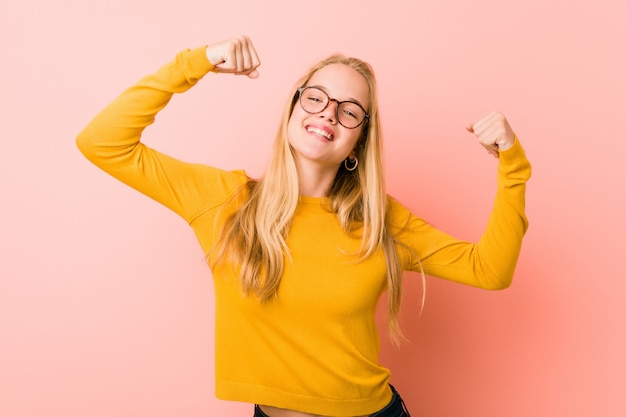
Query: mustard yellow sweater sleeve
(112, 141)
(490, 262)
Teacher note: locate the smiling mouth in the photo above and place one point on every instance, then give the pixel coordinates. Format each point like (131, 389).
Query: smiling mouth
(320, 132)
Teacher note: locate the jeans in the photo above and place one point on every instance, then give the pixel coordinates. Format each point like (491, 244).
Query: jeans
(395, 408)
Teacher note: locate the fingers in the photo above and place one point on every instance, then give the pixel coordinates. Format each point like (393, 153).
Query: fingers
(493, 132)
(239, 63)
(234, 56)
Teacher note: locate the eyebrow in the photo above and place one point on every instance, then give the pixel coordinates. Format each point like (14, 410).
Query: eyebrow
(352, 99)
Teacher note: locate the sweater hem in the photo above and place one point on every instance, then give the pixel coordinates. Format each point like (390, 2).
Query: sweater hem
(255, 394)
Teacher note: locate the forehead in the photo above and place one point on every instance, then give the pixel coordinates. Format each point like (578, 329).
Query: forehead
(342, 82)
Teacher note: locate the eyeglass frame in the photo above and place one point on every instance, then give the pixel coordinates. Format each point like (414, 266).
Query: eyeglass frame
(330, 99)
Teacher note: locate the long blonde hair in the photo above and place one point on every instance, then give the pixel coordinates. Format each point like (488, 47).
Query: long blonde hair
(253, 237)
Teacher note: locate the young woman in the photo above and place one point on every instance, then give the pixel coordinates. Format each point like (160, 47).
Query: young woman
(301, 256)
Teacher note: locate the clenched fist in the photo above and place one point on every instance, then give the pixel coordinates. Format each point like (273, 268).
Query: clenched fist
(234, 56)
(493, 132)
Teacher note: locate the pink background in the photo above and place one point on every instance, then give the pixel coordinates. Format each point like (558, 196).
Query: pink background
(106, 307)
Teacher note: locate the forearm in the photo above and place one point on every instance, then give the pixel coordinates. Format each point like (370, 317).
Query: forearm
(498, 249)
(112, 139)
(489, 263)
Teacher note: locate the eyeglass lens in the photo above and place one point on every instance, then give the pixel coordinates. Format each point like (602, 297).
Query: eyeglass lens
(314, 100)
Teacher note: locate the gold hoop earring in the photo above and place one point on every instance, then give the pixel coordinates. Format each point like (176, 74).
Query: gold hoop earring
(353, 167)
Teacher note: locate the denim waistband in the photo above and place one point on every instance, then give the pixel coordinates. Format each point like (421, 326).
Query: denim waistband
(395, 408)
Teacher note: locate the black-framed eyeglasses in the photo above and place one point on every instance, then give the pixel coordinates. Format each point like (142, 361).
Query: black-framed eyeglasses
(349, 114)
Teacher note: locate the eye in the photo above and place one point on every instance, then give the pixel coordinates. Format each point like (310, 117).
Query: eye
(349, 113)
(314, 95)
(351, 110)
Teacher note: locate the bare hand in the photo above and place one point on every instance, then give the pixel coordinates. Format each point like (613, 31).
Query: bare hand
(493, 132)
(234, 56)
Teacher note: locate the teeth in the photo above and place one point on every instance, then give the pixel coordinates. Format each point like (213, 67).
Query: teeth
(320, 132)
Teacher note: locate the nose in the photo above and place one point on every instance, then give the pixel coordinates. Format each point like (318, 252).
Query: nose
(330, 112)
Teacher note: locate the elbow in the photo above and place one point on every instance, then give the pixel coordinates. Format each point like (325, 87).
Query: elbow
(499, 284)
(86, 144)
(497, 274)
(82, 143)
(495, 281)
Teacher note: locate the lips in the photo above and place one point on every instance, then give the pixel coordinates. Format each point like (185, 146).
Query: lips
(321, 131)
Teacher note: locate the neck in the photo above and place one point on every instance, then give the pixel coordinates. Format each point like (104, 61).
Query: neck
(315, 181)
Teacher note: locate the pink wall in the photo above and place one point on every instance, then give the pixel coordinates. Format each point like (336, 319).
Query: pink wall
(105, 303)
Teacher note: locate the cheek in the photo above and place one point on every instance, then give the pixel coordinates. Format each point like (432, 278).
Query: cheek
(296, 121)
(355, 136)
(297, 115)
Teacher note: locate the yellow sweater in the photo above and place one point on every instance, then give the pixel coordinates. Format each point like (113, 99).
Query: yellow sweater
(315, 347)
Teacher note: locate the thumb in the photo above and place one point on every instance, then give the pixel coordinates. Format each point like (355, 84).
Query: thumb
(253, 74)
(470, 127)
